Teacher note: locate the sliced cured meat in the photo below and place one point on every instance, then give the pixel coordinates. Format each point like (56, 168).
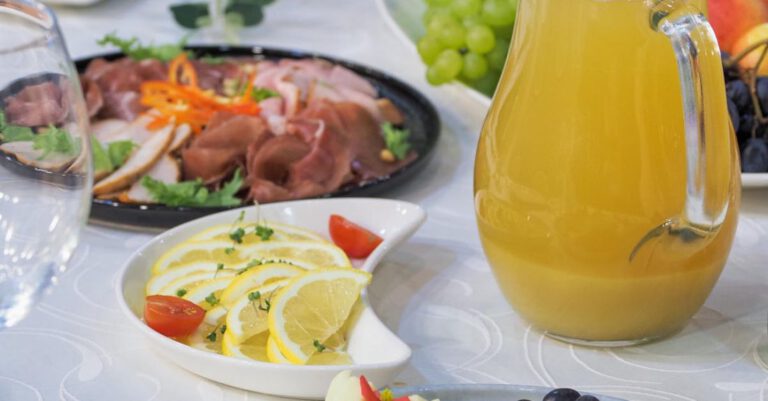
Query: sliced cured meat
(139, 163)
(93, 99)
(166, 170)
(222, 146)
(27, 154)
(37, 105)
(181, 135)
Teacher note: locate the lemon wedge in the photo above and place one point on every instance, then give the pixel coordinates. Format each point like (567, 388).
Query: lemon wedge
(320, 358)
(311, 308)
(195, 252)
(202, 338)
(207, 294)
(324, 254)
(247, 316)
(281, 232)
(256, 277)
(158, 282)
(183, 285)
(254, 349)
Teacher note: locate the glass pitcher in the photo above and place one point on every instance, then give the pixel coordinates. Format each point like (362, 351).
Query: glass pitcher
(607, 182)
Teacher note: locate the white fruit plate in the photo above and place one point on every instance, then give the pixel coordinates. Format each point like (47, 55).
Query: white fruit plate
(378, 353)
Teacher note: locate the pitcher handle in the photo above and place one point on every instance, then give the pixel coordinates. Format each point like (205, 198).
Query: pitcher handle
(688, 30)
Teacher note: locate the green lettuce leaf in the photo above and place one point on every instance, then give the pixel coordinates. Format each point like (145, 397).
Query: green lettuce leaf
(194, 193)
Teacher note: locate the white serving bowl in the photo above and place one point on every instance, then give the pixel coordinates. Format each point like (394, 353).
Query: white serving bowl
(378, 353)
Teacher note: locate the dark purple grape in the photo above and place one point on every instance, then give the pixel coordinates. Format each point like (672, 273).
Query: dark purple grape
(587, 398)
(746, 124)
(754, 157)
(562, 394)
(734, 113)
(731, 73)
(738, 92)
(762, 94)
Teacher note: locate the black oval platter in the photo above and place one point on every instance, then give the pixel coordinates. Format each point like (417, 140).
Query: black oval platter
(421, 119)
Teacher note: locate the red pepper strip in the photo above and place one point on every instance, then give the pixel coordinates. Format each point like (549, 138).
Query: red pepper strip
(367, 391)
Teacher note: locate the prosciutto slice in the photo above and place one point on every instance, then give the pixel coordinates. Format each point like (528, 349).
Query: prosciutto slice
(37, 105)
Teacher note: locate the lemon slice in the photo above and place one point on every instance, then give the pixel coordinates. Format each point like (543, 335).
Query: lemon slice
(324, 254)
(256, 277)
(182, 285)
(255, 348)
(247, 316)
(158, 282)
(273, 352)
(282, 232)
(193, 252)
(313, 307)
(320, 358)
(202, 338)
(208, 293)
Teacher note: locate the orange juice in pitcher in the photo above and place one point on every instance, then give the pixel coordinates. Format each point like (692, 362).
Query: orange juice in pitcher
(606, 180)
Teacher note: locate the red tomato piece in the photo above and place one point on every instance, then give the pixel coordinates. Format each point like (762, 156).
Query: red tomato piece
(367, 391)
(357, 242)
(172, 316)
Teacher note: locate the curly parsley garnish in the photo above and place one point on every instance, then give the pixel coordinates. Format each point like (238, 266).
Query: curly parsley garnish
(396, 140)
(264, 232)
(134, 49)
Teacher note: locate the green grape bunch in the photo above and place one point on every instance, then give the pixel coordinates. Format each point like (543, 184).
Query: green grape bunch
(467, 40)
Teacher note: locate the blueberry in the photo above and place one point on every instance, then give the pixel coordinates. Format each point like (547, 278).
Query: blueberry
(587, 398)
(562, 394)
(754, 157)
(738, 92)
(762, 94)
(733, 111)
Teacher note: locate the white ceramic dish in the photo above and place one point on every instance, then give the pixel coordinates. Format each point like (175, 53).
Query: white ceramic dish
(485, 392)
(377, 352)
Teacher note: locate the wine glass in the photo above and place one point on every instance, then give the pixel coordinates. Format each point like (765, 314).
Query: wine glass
(45, 164)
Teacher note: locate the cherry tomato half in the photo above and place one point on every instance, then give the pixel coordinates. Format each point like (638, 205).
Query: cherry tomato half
(356, 241)
(172, 316)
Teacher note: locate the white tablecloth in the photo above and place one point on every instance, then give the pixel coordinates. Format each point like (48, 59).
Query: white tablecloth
(436, 291)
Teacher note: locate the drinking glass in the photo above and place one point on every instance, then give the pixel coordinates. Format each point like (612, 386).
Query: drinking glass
(45, 165)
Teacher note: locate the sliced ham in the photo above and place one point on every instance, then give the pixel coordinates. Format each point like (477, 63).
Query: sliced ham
(139, 163)
(222, 146)
(37, 105)
(165, 170)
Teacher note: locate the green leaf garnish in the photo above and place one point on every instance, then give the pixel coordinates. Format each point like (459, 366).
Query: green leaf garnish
(254, 296)
(237, 235)
(181, 292)
(244, 12)
(229, 250)
(135, 50)
(264, 232)
(119, 151)
(194, 193)
(260, 94)
(212, 299)
(223, 329)
(15, 133)
(396, 140)
(212, 336)
(266, 307)
(319, 346)
(101, 162)
(54, 140)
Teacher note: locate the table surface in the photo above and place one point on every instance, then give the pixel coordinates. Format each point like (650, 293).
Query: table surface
(436, 291)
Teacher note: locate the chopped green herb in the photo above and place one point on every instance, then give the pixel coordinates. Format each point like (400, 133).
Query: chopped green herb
(211, 337)
(219, 267)
(54, 140)
(254, 296)
(319, 346)
(212, 299)
(252, 263)
(267, 306)
(229, 250)
(181, 292)
(260, 94)
(264, 232)
(241, 216)
(223, 329)
(237, 235)
(194, 193)
(396, 140)
(135, 50)
(212, 60)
